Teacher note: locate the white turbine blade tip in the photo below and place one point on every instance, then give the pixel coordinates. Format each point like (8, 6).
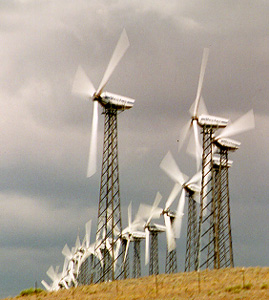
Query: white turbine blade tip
(169, 166)
(121, 47)
(201, 79)
(175, 191)
(92, 164)
(242, 124)
(183, 134)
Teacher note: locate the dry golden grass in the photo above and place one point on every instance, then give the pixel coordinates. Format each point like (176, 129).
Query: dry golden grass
(214, 284)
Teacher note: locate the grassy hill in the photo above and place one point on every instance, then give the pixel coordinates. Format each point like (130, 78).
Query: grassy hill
(235, 283)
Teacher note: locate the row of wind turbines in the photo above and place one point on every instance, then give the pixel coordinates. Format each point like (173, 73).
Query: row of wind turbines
(209, 242)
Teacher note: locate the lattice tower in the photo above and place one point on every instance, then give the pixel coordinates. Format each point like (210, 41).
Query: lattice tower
(171, 257)
(137, 258)
(154, 250)
(224, 250)
(126, 265)
(192, 234)
(109, 224)
(206, 255)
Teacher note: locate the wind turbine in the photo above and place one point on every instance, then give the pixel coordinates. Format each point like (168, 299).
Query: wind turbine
(109, 200)
(59, 280)
(221, 218)
(199, 114)
(209, 125)
(189, 189)
(132, 234)
(151, 230)
(77, 259)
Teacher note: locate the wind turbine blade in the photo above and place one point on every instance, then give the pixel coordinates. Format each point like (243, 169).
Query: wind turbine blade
(130, 215)
(196, 197)
(117, 249)
(64, 271)
(183, 134)
(198, 147)
(82, 85)
(126, 251)
(179, 215)
(88, 233)
(51, 273)
(147, 247)
(202, 110)
(92, 164)
(196, 178)
(155, 210)
(66, 252)
(244, 123)
(200, 82)
(157, 200)
(143, 213)
(169, 166)
(171, 244)
(47, 287)
(175, 191)
(78, 244)
(118, 53)
(57, 269)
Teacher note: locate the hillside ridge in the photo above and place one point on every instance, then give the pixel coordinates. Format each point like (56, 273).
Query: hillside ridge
(231, 283)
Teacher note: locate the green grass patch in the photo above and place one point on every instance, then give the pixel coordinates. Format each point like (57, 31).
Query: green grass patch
(30, 291)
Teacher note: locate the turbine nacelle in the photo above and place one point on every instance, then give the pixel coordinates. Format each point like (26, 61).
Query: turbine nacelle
(169, 213)
(227, 143)
(212, 121)
(193, 188)
(114, 100)
(156, 228)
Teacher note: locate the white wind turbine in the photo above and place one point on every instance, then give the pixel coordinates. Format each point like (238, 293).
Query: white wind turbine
(59, 280)
(131, 232)
(199, 114)
(83, 86)
(147, 212)
(183, 184)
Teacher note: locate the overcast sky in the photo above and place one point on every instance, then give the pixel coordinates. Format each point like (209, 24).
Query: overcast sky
(45, 197)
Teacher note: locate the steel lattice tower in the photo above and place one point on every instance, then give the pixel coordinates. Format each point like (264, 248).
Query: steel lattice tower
(154, 251)
(224, 248)
(171, 257)
(171, 262)
(137, 258)
(126, 268)
(84, 276)
(109, 224)
(192, 234)
(154, 255)
(206, 253)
